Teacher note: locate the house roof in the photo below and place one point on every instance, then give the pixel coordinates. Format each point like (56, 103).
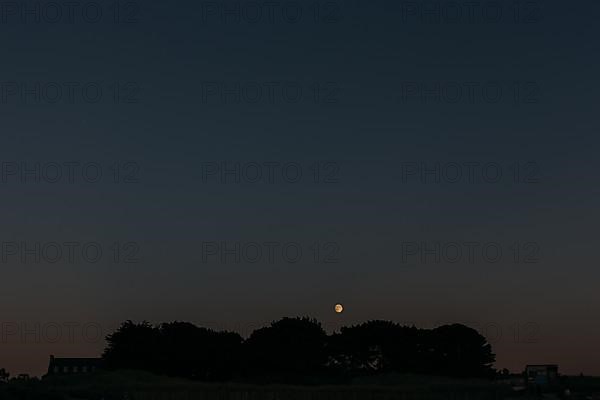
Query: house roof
(74, 362)
(542, 365)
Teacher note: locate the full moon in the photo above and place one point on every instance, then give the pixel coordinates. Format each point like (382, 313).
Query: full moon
(339, 308)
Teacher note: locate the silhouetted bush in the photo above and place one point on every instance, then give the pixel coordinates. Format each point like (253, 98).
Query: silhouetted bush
(175, 349)
(288, 346)
(298, 350)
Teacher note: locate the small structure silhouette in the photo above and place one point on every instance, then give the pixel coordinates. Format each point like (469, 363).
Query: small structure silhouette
(64, 366)
(541, 374)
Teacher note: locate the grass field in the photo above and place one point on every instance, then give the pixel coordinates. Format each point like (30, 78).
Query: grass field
(136, 385)
(133, 385)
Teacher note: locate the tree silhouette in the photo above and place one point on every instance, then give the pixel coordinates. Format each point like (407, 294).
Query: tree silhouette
(133, 346)
(376, 346)
(288, 346)
(380, 346)
(296, 348)
(460, 351)
(190, 351)
(4, 375)
(175, 348)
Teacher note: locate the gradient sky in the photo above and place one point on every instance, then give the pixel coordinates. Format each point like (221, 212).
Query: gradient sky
(362, 129)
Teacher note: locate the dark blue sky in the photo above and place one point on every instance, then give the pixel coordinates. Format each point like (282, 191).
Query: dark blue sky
(364, 99)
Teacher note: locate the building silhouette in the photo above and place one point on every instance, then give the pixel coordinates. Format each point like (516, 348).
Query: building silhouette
(70, 366)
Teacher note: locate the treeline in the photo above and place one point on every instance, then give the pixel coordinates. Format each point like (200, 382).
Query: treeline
(296, 349)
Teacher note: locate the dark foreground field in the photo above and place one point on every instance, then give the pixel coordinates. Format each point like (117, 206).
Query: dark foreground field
(141, 386)
(135, 385)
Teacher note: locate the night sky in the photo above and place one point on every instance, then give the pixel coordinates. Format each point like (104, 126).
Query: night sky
(230, 163)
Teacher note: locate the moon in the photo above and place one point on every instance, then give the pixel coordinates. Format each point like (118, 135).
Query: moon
(338, 308)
